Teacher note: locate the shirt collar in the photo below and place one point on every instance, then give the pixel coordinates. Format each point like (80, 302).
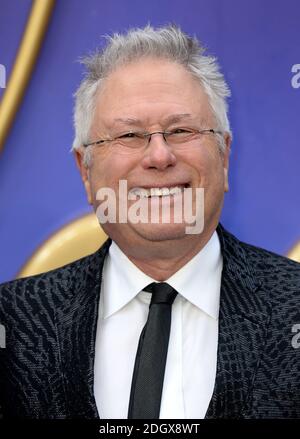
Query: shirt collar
(198, 281)
(122, 281)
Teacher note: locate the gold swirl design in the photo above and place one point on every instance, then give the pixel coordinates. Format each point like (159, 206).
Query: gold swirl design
(25, 60)
(294, 253)
(77, 239)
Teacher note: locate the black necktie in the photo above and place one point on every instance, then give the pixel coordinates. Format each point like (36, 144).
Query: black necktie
(150, 361)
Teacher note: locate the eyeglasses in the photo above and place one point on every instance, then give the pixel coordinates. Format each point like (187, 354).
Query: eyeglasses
(138, 140)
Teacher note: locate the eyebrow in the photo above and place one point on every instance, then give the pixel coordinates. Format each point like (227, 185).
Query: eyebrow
(127, 121)
(173, 118)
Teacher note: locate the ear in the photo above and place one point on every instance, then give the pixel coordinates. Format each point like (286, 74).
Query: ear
(84, 172)
(226, 155)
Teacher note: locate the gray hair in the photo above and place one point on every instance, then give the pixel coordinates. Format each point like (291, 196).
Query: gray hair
(169, 43)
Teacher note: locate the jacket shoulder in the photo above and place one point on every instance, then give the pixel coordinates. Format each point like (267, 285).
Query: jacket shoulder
(277, 273)
(54, 282)
(257, 256)
(270, 259)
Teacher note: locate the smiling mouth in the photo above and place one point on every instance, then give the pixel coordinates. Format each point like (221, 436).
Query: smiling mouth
(165, 191)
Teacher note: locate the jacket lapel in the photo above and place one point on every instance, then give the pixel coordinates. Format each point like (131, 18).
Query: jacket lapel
(77, 324)
(243, 320)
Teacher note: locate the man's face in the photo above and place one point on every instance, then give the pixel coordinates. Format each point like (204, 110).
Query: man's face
(147, 96)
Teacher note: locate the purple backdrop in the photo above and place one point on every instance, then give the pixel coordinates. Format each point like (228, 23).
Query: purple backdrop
(257, 44)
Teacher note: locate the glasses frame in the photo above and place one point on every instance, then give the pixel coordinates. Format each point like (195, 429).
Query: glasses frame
(165, 134)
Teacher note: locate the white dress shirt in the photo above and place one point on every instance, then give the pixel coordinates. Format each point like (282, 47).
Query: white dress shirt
(192, 354)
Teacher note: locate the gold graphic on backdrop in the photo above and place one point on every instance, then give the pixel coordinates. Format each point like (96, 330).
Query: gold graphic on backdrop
(294, 253)
(25, 60)
(74, 241)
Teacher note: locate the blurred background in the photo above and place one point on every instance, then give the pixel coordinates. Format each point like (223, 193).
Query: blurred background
(257, 44)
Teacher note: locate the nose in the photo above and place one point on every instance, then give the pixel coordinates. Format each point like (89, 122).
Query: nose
(158, 154)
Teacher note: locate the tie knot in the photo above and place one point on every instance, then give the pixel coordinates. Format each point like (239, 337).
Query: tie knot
(161, 293)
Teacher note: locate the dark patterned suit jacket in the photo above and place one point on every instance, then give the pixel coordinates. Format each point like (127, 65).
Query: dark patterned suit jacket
(46, 368)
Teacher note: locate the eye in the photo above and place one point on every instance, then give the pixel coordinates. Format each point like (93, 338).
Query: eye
(178, 131)
(130, 135)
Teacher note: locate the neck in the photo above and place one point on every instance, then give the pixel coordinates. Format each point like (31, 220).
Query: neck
(164, 260)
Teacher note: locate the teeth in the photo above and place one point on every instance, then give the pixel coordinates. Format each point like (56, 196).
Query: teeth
(175, 190)
(139, 192)
(156, 192)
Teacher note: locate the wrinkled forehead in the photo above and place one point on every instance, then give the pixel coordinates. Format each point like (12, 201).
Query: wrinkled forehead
(149, 89)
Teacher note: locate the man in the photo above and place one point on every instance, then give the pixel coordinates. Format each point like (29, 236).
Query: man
(218, 314)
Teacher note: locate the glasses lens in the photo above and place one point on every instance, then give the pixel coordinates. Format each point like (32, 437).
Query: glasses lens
(131, 140)
(181, 137)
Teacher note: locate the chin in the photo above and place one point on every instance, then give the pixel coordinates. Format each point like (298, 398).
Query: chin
(160, 232)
